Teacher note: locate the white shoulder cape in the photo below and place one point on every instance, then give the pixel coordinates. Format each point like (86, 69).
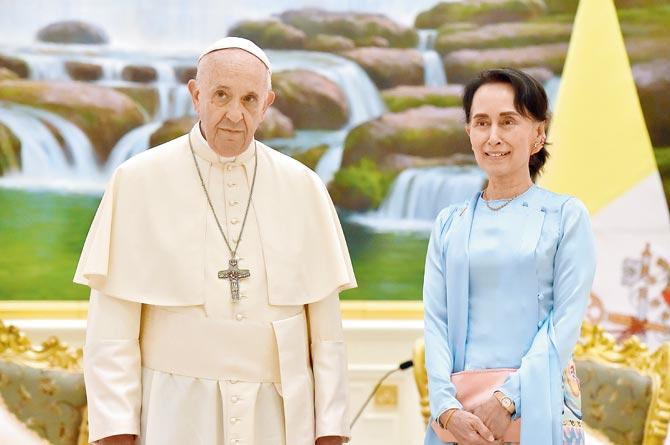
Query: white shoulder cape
(146, 242)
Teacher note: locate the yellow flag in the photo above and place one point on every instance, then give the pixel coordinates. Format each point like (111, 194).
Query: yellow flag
(602, 154)
(601, 147)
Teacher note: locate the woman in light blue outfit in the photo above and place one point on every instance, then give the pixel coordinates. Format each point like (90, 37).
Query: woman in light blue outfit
(508, 277)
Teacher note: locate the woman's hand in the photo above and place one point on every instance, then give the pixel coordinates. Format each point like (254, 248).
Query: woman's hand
(120, 439)
(467, 428)
(496, 418)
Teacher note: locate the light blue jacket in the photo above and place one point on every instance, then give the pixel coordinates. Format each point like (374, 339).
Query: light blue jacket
(558, 240)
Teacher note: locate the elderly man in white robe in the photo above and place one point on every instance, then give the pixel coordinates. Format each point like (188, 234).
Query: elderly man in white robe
(215, 265)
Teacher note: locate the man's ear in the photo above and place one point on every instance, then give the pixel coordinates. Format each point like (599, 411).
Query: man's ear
(269, 101)
(195, 93)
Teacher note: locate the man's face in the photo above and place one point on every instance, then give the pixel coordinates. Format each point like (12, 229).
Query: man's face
(230, 95)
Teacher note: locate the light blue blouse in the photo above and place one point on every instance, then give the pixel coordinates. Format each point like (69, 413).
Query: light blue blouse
(508, 289)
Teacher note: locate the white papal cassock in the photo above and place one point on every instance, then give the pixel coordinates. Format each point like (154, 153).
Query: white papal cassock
(168, 355)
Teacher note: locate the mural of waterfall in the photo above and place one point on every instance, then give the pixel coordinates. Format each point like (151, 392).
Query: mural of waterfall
(329, 163)
(46, 62)
(58, 163)
(364, 99)
(134, 142)
(193, 26)
(434, 75)
(46, 67)
(179, 103)
(41, 153)
(418, 195)
(48, 163)
(427, 39)
(433, 67)
(174, 100)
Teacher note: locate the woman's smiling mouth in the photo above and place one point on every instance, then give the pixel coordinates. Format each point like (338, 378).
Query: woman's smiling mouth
(498, 154)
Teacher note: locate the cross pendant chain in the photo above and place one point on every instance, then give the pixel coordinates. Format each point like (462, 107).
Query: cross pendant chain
(234, 274)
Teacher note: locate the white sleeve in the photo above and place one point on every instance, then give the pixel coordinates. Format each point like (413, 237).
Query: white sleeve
(112, 366)
(329, 364)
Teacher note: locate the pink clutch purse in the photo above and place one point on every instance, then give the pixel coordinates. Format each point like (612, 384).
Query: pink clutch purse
(474, 388)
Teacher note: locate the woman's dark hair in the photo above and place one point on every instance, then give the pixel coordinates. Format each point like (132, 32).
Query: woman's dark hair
(530, 100)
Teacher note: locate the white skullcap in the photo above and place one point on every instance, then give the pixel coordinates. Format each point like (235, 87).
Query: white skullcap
(240, 43)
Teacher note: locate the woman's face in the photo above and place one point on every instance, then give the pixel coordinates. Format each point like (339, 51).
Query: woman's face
(502, 139)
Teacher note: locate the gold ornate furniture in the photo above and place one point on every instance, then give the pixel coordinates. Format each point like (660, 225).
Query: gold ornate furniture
(43, 387)
(421, 377)
(625, 388)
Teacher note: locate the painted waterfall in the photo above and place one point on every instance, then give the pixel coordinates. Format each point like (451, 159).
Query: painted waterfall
(370, 99)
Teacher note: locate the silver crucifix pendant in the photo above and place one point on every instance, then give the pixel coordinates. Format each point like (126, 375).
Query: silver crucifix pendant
(234, 274)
